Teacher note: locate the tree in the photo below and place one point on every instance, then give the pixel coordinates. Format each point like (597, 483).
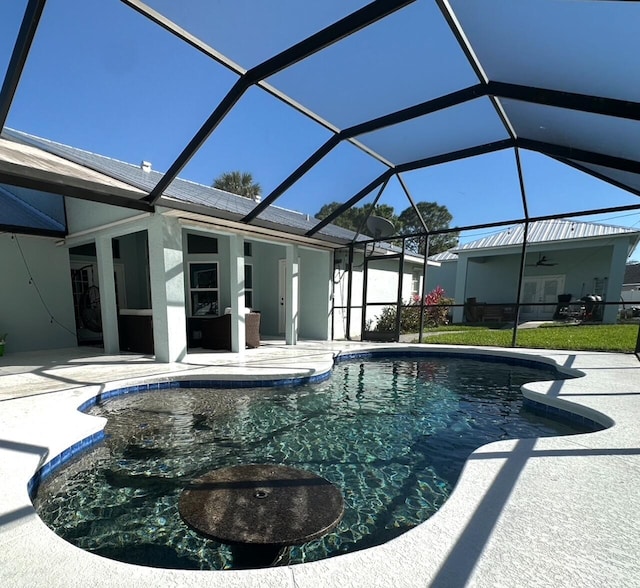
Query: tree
(353, 218)
(436, 217)
(240, 183)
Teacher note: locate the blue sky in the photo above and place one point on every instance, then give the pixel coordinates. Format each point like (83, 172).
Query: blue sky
(101, 77)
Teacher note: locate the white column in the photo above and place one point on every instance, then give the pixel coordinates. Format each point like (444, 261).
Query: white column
(615, 279)
(236, 286)
(107, 284)
(166, 271)
(292, 288)
(461, 287)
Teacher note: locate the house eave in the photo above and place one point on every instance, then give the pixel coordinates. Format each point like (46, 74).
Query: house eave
(191, 216)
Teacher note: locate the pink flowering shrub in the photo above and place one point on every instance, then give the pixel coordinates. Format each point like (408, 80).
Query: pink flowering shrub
(436, 312)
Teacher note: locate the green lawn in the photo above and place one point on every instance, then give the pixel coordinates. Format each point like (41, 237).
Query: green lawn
(615, 338)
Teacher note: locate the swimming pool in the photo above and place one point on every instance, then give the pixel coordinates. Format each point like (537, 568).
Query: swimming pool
(393, 434)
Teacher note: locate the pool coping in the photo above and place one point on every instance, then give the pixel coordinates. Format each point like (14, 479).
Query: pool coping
(523, 512)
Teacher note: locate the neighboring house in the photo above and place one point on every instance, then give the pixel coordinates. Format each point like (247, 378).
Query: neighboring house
(444, 273)
(630, 295)
(147, 281)
(375, 285)
(563, 257)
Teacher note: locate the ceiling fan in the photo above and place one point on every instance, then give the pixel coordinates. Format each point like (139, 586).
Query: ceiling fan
(543, 261)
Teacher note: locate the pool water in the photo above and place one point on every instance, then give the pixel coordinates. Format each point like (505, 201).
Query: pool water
(392, 435)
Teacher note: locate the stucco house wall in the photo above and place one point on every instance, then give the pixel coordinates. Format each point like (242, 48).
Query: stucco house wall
(83, 215)
(266, 258)
(43, 271)
(444, 276)
(315, 271)
(382, 290)
(495, 278)
(491, 278)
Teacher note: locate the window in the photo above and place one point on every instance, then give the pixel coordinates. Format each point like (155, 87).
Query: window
(248, 249)
(203, 289)
(248, 286)
(89, 249)
(416, 277)
(201, 244)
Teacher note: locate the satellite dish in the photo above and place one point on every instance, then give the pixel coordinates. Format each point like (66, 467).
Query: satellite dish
(380, 227)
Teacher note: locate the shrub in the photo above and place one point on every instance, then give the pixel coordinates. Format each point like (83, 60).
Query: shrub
(436, 312)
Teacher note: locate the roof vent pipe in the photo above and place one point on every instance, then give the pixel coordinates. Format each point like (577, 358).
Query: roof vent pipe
(145, 166)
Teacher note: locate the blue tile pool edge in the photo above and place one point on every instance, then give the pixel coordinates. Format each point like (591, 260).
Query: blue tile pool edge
(491, 357)
(69, 453)
(540, 408)
(59, 460)
(561, 415)
(203, 383)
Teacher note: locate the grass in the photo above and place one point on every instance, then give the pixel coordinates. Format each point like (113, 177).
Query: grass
(613, 338)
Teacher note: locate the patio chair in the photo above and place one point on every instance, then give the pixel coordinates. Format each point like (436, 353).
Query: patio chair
(252, 329)
(216, 332)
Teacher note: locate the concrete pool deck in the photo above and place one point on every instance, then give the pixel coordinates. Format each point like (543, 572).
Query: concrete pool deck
(557, 511)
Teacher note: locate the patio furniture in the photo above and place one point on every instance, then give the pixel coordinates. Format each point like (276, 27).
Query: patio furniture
(252, 329)
(216, 331)
(135, 330)
(592, 307)
(563, 309)
(492, 313)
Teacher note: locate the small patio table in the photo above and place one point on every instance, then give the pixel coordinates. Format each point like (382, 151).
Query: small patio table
(261, 506)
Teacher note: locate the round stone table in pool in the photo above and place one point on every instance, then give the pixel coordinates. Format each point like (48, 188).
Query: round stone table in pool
(261, 504)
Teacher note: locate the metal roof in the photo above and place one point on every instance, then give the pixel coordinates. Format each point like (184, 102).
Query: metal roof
(545, 232)
(212, 200)
(444, 256)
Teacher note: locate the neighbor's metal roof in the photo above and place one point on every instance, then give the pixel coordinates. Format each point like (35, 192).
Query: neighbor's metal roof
(444, 256)
(546, 231)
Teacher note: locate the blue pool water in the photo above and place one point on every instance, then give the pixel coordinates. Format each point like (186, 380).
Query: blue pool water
(392, 434)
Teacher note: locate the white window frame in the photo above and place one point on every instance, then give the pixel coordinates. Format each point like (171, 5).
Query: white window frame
(195, 290)
(416, 278)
